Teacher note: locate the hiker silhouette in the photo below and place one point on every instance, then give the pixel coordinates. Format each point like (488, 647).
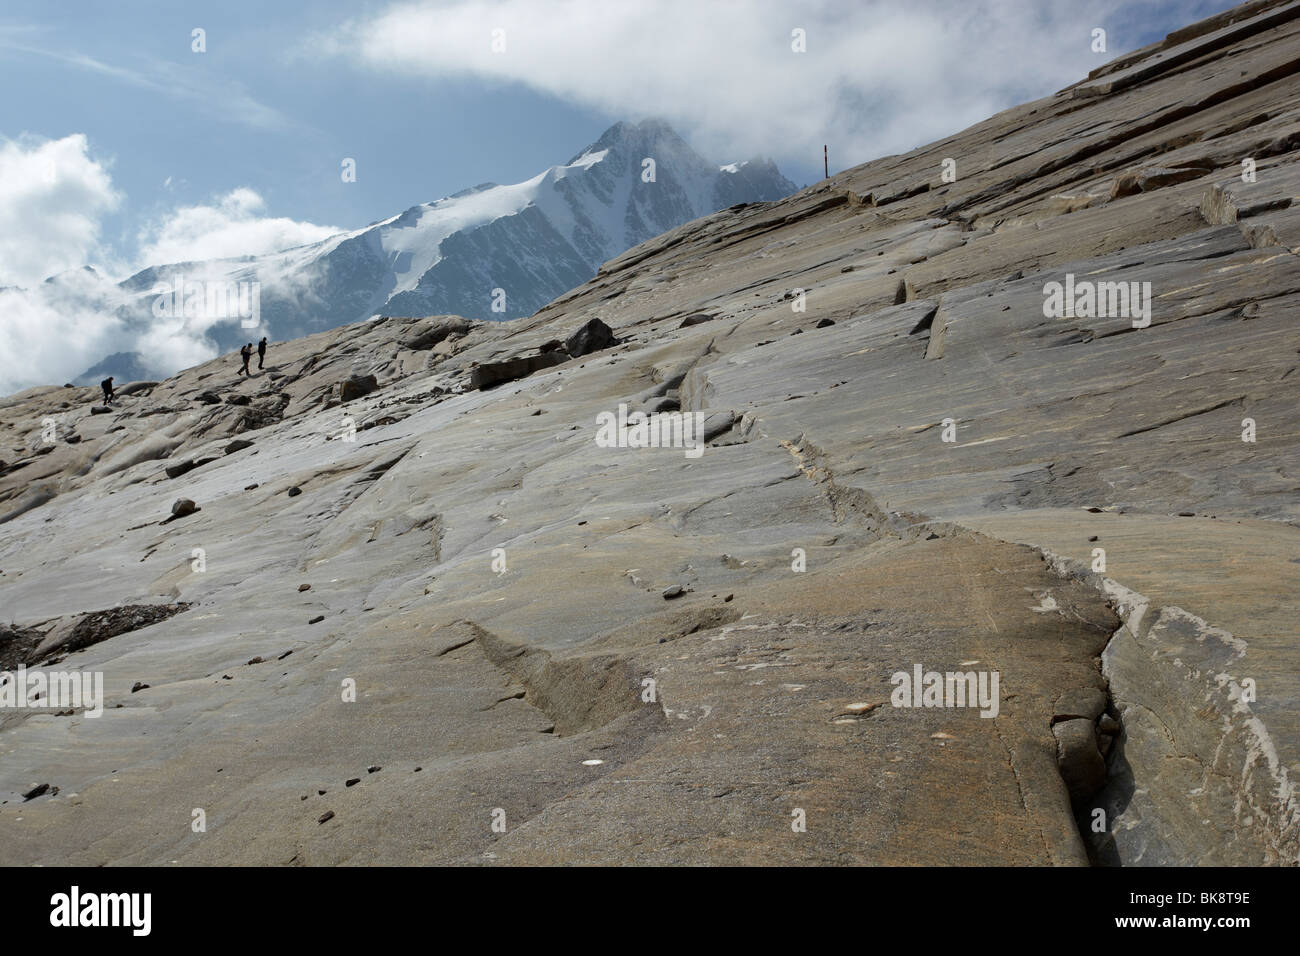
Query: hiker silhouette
(261, 351)
(107, 386)
(246, 353)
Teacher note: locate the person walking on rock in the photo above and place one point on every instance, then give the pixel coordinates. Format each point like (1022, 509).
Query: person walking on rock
(246, 353)
(107, 386)
(261, 352)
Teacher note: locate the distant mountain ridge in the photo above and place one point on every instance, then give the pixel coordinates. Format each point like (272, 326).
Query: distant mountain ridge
(486, 252)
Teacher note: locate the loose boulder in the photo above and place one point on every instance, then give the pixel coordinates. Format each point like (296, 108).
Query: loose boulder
(182, 507)
(494, 373)
(357, 386)
(592, 337)
(188, 465)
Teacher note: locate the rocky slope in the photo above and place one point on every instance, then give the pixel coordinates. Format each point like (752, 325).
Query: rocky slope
(564, 652)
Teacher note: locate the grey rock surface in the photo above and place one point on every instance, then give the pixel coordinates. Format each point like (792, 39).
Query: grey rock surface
(1101, 510)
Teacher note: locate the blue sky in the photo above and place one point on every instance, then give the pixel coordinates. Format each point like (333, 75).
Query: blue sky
(286, 90)
(175, 117)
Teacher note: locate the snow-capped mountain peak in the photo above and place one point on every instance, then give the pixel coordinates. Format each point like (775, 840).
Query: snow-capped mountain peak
(515, 247)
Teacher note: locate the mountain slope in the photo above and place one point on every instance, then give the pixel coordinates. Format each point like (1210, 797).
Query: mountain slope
(640, 656)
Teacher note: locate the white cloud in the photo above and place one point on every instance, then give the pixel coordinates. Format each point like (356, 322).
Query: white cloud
(52, 332)
(232, 225)
(52, 198)
(878, 76)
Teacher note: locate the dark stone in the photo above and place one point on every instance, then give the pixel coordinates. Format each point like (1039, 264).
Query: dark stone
(494, 373)
(674, 591)
(824, 323)
(36, 791)
(182, 507)
(16, 644)
(317, 620)
(357, 386)
(100, 410)
(295, 491)
(327, 816)
(351, 781)
(239, 400)
(696, 319)
(239, 444)
(592, 337)
(138, 686)
(209, 398)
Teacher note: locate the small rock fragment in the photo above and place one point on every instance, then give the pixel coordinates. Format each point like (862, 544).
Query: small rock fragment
(182, 507)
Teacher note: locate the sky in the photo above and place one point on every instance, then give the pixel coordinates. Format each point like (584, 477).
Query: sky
(128, 139)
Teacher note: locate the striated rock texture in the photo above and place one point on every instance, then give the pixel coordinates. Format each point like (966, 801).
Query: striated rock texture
(554, 642)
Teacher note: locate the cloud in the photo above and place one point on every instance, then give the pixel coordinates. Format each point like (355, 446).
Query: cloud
(55, 331)
(52, 198)
(218, 96)
(877, 77)
(57, 318)
(232, 225)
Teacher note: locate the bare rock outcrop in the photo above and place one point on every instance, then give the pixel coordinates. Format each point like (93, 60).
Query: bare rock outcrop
(919, 457)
